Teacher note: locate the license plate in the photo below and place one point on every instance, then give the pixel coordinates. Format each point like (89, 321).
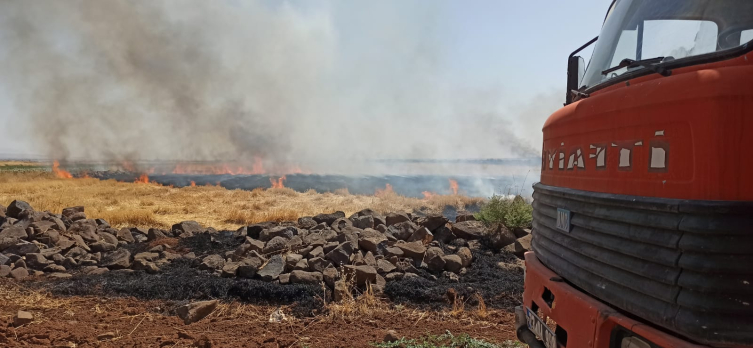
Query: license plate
(563, 220)
(539, 328)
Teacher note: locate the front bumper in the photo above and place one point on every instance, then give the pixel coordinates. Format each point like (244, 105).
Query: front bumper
(586, 321)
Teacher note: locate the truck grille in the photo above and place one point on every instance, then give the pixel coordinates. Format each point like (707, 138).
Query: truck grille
(684, 265)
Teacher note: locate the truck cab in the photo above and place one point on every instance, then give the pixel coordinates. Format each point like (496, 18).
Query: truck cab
(643, 218)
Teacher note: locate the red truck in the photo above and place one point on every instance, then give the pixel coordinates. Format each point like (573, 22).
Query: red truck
(643, 218)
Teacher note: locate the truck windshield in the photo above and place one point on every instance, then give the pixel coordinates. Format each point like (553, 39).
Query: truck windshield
(667, 30)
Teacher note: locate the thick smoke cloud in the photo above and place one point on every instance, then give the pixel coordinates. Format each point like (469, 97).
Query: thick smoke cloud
(235, 80)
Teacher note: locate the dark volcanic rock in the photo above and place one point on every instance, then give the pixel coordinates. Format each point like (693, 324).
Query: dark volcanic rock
(363, 222)
(303, 277)
(341, 254)
(395, 218)
(306, 223)
(470, 230)
(68, 212)
(328, 218)
(402, 230)
(275, 244)
(212, 262)
(501, 237)
(413, 250)
(118, 259)
(432, 222)
(286, 232)
(187, 228)
(272, 269)
(16, 207)
(155, 234)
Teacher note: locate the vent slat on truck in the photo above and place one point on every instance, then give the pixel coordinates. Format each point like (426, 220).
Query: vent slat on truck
(683, 265)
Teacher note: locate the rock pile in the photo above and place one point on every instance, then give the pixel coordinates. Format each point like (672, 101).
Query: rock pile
(365, 248)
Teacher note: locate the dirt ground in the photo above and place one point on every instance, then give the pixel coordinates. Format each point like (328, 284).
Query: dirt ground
(127, 322)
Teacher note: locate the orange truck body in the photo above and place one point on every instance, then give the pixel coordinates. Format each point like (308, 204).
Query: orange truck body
(674, 155)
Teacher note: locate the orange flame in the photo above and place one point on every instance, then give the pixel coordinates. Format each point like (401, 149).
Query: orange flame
(193, 183)
(86, 176)
(428, 194)
(278, 183)
(387, 190)
(454, 186)
(144, 179)
(60, 173)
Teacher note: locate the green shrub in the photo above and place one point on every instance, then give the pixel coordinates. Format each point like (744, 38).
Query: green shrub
(512, 213)
(448, 340)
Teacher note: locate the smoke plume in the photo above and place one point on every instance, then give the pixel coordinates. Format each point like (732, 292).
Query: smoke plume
(235, 80)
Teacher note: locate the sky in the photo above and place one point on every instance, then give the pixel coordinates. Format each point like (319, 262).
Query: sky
(503, 59)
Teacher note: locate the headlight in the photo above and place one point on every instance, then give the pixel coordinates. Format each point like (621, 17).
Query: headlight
(634, 342)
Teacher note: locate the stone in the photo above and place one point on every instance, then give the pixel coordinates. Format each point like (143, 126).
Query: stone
(465, 256)
(77, 217)
(464, 216)
(68, 212)
(443, 234)
(187, 228)
(40, 227)
(395, 218)
(285, 232)
(422, 234)
(315, 239)
(16, 207)
(4, 259)
(49, 237)
(303, 277)
(393, 276)
(295, 243)
(501, 237)
(248, 267)
(357, 259)
(362, 274)
(193, 312)
(155, 234)
(275, 244)
(316, 252)
(302, 265)
(19, 273)
(340, 224)
(381, 228)
(306, 222)
(319, 264)
(37, 261)
(53, 268)
(254, 231)
(363, 222)
(14, 232)
(384, 266)
(406, 267)
(470, 230)
(102, 247)
(432, 222)
(212, 262)
(371, 244)
(284, 278)
(147, 256)
(402, 230)
(524, 243)
(4, 271)
(319, 227)
(102, 223)
(109, 238)
(394, 251)
(435, 259)
(413, 250)
(328, 218)
(341, 254)
(520, 232)
(69, 263)
(379, 284)
(22, 318)
(453, 263)
(272, 269)
(451, 276)
(329, 236)
(369, 259)
(97, 270)
(22, 248)
(118, 259)
(330, 276)
(348, 235)
(391, 336)
(291, 260)
(86, 231)
(59, 224)
(230, 269)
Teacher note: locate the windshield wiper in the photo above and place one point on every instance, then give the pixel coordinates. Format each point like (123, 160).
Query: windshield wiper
(651, 64)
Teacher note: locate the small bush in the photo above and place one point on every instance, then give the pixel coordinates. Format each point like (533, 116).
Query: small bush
(515, 212)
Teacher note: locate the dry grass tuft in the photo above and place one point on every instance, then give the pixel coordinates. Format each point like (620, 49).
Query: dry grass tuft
(481, 312)
(12, 293)
(150, 205)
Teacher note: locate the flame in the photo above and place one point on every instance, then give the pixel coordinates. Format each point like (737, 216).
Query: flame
(193, 183)
(387, 190)
(454, 186)
(144, 179)
(428, 194)
(128, 166)
(60, 173)
(86, 176)
(278, 183)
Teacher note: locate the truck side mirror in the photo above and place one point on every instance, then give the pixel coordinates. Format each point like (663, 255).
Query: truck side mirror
(576, 68)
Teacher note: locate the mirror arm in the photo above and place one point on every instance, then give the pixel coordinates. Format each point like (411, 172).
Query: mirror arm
(573, 75)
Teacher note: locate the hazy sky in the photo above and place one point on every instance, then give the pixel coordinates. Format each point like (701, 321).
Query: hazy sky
(505, 57)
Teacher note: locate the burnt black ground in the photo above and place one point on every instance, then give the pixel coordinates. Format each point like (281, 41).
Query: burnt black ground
(500, 288)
